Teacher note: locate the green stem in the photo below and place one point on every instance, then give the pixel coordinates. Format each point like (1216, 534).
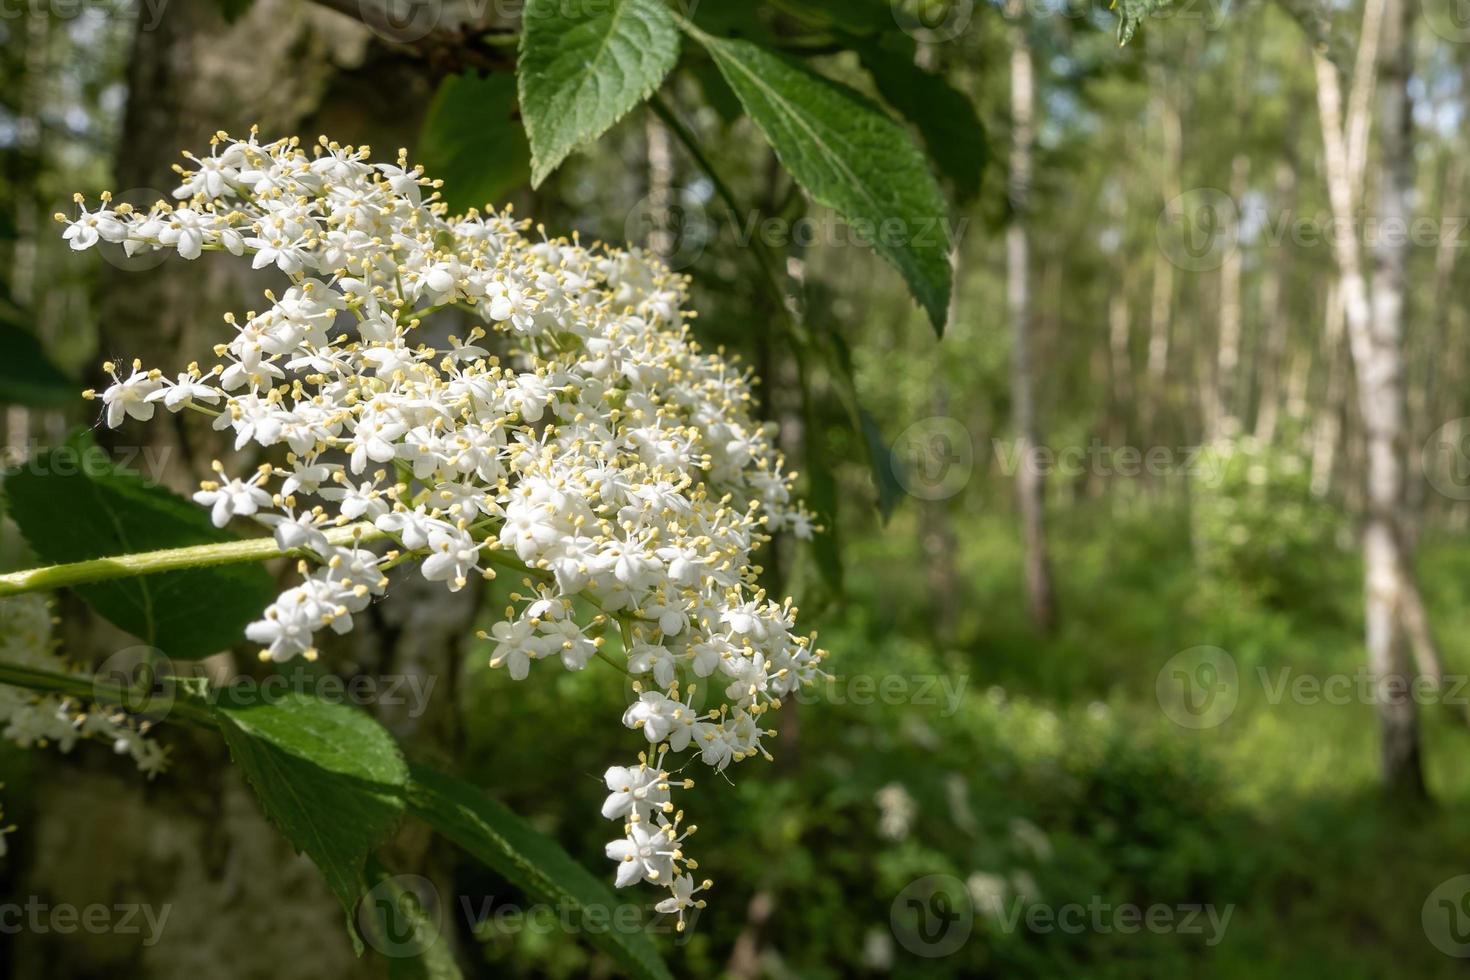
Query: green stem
(91, 689)
(166, 560)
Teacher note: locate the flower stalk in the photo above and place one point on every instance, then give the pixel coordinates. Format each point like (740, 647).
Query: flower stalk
(167, 560)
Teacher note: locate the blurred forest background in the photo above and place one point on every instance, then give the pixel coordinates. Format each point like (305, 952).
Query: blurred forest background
(1177, 273)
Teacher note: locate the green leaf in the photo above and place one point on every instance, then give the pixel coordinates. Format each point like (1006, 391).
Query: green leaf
(583, 66)
(328, 775)
(850, 156)
(1131, 13)
(880, 458)
(945, 118)
(27, 376)
(492, 833)
(890, 490)
(73, 503)
(473, 141)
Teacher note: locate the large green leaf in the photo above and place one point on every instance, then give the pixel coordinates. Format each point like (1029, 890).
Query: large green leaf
(945, 118)
(493, 834)
(73, 503)
(584, 65)
(850, 156)
(328, 775)
(473, 141)
(27, 376)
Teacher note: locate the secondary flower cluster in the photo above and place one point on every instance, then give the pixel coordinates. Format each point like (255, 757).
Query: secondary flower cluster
(29, 719)
(576, 434)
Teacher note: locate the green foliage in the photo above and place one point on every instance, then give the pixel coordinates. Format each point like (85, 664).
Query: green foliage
(583, 66)
(851, 157)
(492, 833)
(329, 776)
(472, 140)
(1132, 13)
(1260, 529)
(27, 376)
(73, 504)
(944, 117)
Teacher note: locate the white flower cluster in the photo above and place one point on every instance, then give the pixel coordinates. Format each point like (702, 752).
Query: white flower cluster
(30, 719)
(577, 435)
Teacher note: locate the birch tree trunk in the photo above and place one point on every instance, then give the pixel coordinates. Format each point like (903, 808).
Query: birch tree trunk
(1374, 330)
(1275, 320)
(1030, 485)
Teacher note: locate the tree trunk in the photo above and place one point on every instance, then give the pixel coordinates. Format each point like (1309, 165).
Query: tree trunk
(1275, 321)
(1375, 337)
(1030, 485)
(241, 903)
(1161, 304)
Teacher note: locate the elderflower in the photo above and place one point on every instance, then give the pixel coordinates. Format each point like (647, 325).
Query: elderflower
(576, 435)
(42, 720)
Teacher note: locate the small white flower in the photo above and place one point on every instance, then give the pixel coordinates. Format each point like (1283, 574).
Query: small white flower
(232, 497)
